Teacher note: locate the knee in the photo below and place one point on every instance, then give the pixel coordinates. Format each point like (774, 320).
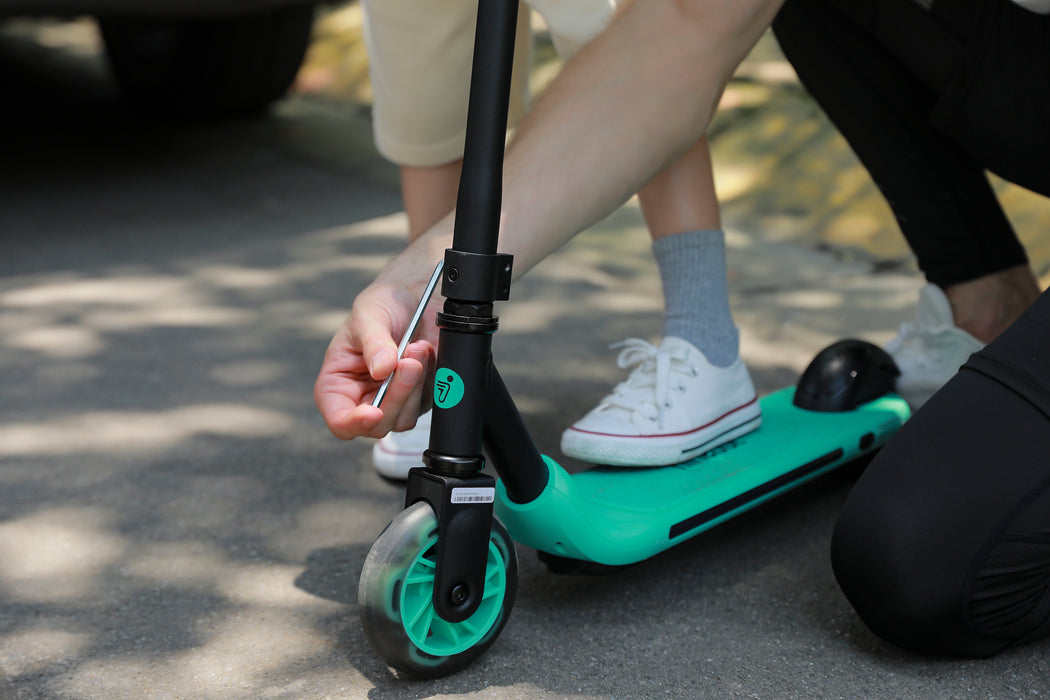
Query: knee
(896, 579)
(941, 546)
(903, 549)
(913, 585)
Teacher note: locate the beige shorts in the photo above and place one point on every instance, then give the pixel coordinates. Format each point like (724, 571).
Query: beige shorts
(420, 53)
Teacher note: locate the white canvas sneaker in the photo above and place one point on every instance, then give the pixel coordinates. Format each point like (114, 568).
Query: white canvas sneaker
(396, 453)
(674, 406)
(929, 351)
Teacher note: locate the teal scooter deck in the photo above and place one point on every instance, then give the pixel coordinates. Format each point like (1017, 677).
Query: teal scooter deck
(618, 516)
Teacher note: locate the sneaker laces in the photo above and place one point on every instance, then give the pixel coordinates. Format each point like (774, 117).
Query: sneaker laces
(647, 390)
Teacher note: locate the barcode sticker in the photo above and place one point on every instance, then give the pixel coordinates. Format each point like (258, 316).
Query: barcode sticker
(480, 495)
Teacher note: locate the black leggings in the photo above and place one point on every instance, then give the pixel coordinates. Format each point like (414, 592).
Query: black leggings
(944, 543)
(929, 100)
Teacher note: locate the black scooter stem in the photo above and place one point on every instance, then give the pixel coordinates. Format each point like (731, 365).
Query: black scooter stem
(481, 184)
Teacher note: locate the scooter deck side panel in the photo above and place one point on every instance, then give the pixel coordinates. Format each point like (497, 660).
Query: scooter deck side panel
(623, 515)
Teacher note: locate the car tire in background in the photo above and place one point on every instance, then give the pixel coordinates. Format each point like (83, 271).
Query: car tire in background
(207, 68)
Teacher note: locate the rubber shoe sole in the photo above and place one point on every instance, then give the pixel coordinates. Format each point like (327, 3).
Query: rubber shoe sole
(660, 450)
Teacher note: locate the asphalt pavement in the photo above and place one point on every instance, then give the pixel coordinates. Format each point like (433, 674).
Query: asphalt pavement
(176, 521)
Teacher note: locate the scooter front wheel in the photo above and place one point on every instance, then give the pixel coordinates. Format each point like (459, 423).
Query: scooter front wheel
(395, 598)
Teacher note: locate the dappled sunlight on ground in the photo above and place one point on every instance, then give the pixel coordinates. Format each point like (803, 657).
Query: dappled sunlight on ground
(33, 651)
(137, 431)
(236, 652)
(175, 519)
(71, 317)
(171, 476)
(174, 483)
(58, 554)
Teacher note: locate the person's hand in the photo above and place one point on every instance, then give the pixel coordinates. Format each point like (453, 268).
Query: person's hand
(363, 353)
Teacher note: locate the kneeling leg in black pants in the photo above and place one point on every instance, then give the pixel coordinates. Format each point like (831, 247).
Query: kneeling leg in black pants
(944, 544)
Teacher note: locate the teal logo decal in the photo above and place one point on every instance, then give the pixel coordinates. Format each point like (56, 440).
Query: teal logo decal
(448, 388)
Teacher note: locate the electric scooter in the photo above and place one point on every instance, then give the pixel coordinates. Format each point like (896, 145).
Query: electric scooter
(439, 583)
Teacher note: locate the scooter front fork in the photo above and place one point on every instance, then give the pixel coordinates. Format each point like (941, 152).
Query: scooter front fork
(463, 507)
(472, 408)
(474, 276)
(452, 482)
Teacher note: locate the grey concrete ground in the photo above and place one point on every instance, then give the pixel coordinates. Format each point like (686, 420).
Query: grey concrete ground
(176, 522)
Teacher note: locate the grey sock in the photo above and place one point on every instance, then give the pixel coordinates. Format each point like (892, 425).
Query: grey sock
(696, 293)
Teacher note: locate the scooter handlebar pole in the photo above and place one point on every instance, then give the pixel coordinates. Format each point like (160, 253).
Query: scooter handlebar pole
(481, 184)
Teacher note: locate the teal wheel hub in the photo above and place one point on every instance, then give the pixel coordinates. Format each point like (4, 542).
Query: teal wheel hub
(425, 628)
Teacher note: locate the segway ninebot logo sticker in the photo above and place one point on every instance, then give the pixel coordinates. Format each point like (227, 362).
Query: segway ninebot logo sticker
(448, 388)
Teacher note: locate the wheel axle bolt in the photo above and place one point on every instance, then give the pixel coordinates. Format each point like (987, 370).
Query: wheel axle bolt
(459, 594)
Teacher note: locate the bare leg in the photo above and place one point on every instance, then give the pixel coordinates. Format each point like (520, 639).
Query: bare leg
(429, 194)
(682, 196)
(713, 399)
(681, 209)
(985, 306)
